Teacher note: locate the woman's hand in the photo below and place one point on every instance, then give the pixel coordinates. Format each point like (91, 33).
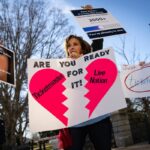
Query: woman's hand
(87, 7)
(141, 63)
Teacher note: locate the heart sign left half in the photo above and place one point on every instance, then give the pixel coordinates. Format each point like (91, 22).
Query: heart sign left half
(47, 89)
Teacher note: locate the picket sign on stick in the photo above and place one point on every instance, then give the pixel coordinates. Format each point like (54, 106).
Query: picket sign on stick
(66, 92)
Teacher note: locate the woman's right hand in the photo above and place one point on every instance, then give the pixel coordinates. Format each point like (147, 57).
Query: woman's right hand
(87, 7)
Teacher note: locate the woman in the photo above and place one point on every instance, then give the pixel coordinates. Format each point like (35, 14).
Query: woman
(98, 129)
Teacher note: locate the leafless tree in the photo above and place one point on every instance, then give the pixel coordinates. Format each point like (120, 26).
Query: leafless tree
(29, 29)
(133, 57)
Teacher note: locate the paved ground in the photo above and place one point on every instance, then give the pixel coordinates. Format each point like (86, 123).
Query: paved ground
(140, 146)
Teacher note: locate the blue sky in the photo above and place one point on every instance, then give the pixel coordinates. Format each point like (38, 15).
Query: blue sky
(133, 15)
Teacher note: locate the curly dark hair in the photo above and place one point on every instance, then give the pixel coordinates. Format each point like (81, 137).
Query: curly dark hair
(86, 48)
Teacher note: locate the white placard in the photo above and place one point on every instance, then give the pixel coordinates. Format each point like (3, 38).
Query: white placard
(98, 23)
(136, 80)
(66, 92)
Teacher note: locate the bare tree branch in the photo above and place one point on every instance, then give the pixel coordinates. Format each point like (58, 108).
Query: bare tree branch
(28, 30)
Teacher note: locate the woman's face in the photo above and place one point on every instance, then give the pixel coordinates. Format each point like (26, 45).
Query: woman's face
(74, 48)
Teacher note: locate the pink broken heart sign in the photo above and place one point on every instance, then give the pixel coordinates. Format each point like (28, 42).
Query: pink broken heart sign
(46, 86)
(101, 75)
(47, 89)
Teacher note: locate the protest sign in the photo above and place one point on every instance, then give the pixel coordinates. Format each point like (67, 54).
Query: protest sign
(66, 92)
(136, 80)
(7, 65)
(98, 23)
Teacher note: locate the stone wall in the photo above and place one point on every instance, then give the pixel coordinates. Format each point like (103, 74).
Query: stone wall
(121, 128)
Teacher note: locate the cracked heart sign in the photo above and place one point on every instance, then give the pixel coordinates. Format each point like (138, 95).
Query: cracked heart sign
(66, 92)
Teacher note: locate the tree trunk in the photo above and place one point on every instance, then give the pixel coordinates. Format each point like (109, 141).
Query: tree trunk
(10, 127)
